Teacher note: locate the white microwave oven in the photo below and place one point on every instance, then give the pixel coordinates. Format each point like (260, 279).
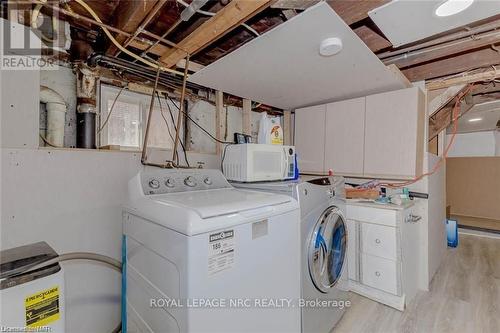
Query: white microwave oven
(253, 162)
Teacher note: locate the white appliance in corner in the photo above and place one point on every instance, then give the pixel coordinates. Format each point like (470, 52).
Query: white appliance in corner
(31, 301)
(324, 246)
(252, 162)
(192, 237)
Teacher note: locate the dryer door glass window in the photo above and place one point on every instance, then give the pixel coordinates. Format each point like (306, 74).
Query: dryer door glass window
(327, 249)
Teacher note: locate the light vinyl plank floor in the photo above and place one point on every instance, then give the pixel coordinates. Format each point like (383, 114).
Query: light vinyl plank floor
(464, 297)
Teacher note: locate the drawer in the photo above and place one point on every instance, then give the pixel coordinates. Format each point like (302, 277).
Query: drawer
(379, 240)
(380, 273)
(373, 215)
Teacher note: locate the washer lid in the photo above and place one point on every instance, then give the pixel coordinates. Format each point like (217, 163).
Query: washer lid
(211, 203)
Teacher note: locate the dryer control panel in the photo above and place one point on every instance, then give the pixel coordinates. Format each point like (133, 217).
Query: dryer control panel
(162, 181)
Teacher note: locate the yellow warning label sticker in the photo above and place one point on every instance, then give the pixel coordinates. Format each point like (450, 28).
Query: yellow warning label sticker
(42, 308)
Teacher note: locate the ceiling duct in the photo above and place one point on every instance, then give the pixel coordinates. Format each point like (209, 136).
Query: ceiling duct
(190, 10)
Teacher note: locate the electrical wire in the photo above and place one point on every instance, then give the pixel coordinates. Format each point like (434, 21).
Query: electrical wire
(110, 110)
(199, 126)
(173, 122)
(455, 116)
(118, 45)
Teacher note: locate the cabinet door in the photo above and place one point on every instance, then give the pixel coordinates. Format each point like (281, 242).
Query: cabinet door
(344, 137)
(394, 134)
(310, 139)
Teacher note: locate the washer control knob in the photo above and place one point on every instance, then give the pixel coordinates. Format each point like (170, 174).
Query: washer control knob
(190, 181)
(154, 184)
(170, 182)
(207, 181)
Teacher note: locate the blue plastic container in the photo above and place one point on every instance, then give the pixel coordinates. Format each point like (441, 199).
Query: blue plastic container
(452, 232)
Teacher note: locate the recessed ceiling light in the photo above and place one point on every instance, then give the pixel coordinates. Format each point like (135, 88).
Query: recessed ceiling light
(473, 120)
(330, 46)
(452, 7)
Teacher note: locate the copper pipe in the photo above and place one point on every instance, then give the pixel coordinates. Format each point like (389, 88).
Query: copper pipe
(109, 27)
(181, 110)
(144, 156)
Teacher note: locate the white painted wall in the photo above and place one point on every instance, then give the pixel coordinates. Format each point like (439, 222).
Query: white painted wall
(472, 144)
(70, 198)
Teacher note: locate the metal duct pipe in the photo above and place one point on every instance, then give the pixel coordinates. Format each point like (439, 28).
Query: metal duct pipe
(56, 115)
(139, 70)
(86, 81)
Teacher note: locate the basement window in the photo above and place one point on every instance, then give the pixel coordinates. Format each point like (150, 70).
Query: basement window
(127, 123)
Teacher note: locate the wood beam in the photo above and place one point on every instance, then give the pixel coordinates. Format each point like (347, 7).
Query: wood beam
(294, 4)
(444, 50)
(287, 127)
(440, 101)
(128, 17)
(246, 116)
(373, 40)
(452, 65)
(471, 78)
(219, 109)
(354, 11)
(229, 17)
(443, 118)
(400, 76)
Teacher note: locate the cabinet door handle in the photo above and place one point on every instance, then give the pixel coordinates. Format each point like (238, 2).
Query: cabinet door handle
(377, 273)
(377, 241)
(413, 218)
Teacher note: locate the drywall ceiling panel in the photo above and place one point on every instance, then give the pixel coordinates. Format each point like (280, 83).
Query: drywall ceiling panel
(283, 67)
(407, 21)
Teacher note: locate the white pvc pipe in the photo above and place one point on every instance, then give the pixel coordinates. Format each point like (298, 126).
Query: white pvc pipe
(56, 115)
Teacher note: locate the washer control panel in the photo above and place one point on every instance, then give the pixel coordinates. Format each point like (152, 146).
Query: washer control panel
(161, 181)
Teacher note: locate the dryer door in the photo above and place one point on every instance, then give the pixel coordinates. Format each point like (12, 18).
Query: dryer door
(327, 249)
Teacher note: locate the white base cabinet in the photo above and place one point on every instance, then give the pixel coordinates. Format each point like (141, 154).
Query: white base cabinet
(383, 252)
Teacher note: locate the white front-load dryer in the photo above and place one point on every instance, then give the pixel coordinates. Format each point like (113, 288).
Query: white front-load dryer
(324, 241)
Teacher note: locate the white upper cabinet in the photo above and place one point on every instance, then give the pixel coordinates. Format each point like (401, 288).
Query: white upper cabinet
(344, 137)
(394, 134)
(310, 139)
(378, 136)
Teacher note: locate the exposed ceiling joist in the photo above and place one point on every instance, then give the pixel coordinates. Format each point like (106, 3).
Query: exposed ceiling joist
(354, 11)
(294, 4)
(483, 76)
(440, 101)
(452, 65)
(128, 17)
(444, 118)
(372, 39)
(233, 14)
(159, 49)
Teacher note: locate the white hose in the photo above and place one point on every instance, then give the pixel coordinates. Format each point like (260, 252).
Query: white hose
(115, 264)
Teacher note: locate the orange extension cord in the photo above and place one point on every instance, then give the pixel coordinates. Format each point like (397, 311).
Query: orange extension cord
(455, 116)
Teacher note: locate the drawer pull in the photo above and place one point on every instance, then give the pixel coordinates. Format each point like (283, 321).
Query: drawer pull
(377, 273)
(377, 241)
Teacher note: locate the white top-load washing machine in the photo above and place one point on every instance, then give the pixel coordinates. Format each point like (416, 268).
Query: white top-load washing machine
(203, 256)
(324, 247)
